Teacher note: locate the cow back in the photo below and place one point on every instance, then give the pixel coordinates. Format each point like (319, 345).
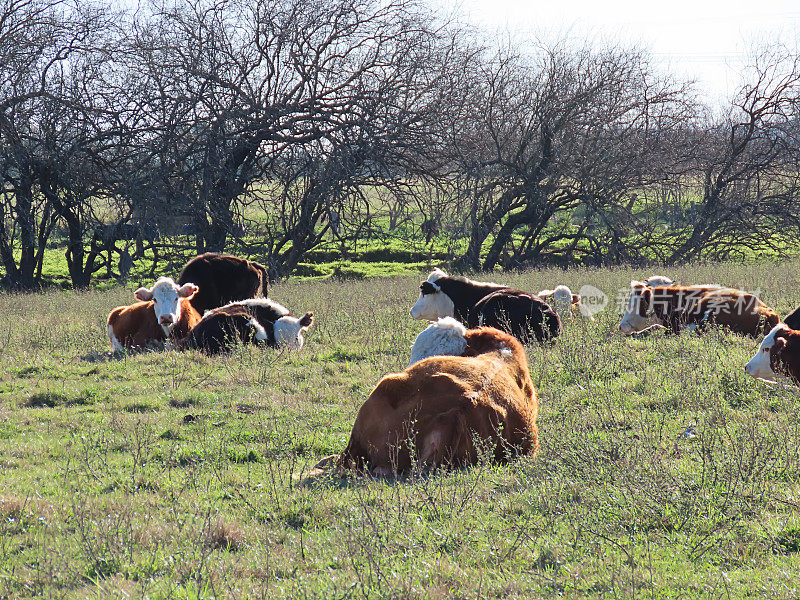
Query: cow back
(522, 314)
(221, 329)
(433, 412)
(135, 326)
(223, 278)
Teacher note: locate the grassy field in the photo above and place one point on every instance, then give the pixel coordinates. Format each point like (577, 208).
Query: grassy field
(664, 471)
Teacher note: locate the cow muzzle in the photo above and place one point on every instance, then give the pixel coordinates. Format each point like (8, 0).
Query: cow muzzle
(167, 320)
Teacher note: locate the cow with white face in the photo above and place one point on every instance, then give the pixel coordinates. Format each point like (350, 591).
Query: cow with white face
(164, 312)
(694, 307)
(166, 297)
(433, 303)
(565, 302)
(778, 356)
(479, 303)
(639, 314)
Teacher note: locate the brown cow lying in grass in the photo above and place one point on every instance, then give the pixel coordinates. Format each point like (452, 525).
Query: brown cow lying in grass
(446, 410)
(692, 307)
(165, 311)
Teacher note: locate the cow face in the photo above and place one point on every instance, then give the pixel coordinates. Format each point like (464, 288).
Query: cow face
(639, 312)
(166, 296)
(765, 363)
(432, 303)
(565, 302)
(289, 330)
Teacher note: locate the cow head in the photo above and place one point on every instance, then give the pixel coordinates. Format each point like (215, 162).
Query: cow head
(432, 302)
(289, 330)
(769, 362)
(565, 302)
(166, 296)
(639, 313)
(445, 337)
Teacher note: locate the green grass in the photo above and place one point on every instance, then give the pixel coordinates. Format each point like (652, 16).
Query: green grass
(169, 475)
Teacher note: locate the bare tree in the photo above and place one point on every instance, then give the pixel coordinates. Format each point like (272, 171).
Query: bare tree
(747, 166)
(287, 102)
(44, 47)
(554, 141)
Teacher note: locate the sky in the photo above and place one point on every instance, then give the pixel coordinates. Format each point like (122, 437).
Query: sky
(707, 41)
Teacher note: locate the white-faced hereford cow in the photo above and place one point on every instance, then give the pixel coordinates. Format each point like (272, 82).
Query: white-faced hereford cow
(692, 307)
(432, 413)
(223, 278)
(478, 303)
(255, 321)
(778, 357)
(565, 302)
(164, 312)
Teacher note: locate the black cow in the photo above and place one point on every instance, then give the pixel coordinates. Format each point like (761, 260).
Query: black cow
(476, 303)
(253, 321)
(223, 278)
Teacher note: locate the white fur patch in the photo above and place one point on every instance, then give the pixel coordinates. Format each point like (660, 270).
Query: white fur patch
(115, 345)
(759, 366)
(266, 302)
(658, 281)
(445, 337)
(436, 275)
(289, 332)
(561, 298)
(261, 334)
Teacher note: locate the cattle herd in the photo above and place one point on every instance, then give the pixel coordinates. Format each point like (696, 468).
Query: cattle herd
(467, 391)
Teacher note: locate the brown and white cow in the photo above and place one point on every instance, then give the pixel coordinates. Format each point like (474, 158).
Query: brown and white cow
(689, 307)
(433, 413)
(565, 302)
(164, 312)
(778, 356)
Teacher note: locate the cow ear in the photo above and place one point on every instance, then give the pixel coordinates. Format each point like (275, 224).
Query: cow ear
(576, 299)
(780, 344)
(306, 320)
(646, 298)
(143, 294)
(188, 290)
